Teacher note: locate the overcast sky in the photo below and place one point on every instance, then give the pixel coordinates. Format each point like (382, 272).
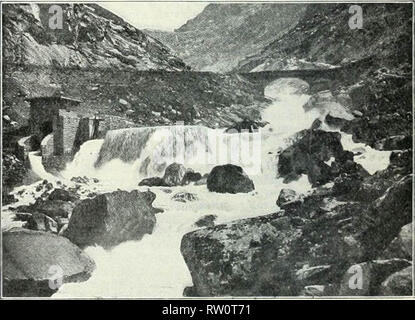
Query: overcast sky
(156, 15)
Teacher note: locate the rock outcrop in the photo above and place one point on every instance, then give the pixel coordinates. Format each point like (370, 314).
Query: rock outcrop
(91, 36)
(398, 284)
(309, 155)
(229, 179)
(35, 263)
(112, 218)
(174, 175)
(307, 248)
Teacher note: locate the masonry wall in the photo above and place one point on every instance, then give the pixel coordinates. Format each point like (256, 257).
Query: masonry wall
(65, 129)
(113, 123)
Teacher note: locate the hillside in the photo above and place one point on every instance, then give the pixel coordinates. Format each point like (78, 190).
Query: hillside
(323, 36)
(91, 37)
(114, 68)
(224, 34)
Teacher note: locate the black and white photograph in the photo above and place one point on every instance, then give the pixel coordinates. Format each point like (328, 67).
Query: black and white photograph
(207, 150)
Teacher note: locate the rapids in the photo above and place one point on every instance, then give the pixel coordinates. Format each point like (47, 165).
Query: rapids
(154, 266)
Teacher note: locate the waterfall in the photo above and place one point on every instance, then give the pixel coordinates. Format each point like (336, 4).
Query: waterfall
(35, 161)
(154, 266)
(126, 156)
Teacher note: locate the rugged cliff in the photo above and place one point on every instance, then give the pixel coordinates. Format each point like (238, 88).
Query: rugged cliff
(323, 36)
(223, 34)
(90, 37)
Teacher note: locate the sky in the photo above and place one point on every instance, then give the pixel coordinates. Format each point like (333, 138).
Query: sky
(155, 15)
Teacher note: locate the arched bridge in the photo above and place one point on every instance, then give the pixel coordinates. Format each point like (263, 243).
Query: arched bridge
(318, 79)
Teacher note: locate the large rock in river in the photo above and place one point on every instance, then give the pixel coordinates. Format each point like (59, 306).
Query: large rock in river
(245, 258)
(111, 218)
(34, 262)
(320, 155)
(174, 174)
(229, 179)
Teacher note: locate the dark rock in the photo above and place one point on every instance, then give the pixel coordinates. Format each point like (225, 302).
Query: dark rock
(29, 256)
(402, 159)
(385, 217)
(64, 195)
(13, 174)
(229, 179)
(334, 121)
(399, 142)
(41, 222)
(153, 182)
(309, 154)
(8, 199)
(288, 197)
(347, 184)
(206, 221)
(202, 181)
(82, 180)
(401, 246)
(53, 208)
(245, 125)
(174, 174)
(398, 284)
(184, 197)
(319, 291)
(112, 218)
(191, 176)
(365, 278)
(316, 124)
(244, 258)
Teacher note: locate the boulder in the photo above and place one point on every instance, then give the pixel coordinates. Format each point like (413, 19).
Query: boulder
(401, 246)
(385, 217)
(288, 197)
(398, 284)
(398, 142)
(184, 197)
(202, 181)
(112, 218)
(244, 258)
(153, 182)
(31, 259)
(365, 279)
(41, 222)
(245, 125)
(191, 176)
(206, 221)
(174, 174)
(229, 179)
(64, 195)
(310, 154)
(51, 208)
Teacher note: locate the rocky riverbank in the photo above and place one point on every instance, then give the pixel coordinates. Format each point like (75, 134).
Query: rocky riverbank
(350, 235)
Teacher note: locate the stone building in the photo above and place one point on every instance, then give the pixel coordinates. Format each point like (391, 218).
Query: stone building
(58, 131)
(44, 112)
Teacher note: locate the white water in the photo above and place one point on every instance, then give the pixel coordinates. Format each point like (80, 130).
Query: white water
(154, 266)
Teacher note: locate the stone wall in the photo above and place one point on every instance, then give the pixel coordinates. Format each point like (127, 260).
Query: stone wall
(24, 146)
(113, 123)
(65, 129)
(47, 147)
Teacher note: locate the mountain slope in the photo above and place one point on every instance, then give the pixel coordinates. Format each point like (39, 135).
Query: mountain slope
(91, 37)
(323, 36)
(223, 34)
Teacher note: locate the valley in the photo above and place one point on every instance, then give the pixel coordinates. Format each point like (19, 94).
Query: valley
(268, 158)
